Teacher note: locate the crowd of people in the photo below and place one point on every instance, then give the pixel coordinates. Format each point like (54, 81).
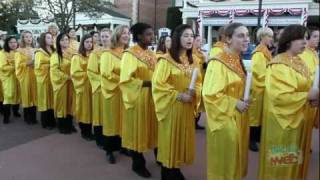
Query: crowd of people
(134, 100)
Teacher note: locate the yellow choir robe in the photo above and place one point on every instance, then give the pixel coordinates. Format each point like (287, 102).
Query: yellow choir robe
(74, 46)
(112, 101)
(260, 58)
(284, 151)
(94, 76)
(176, 143)
(10, 84)
(44, 86)
(63, 91)
(201, 60)
(83, 90)
(139, 126)
(310, 58)
(217, 48)
(26, 77)
(228, 129)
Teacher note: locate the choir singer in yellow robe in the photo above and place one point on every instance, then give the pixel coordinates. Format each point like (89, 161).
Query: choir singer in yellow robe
(228, 126)
(95, 81)
(79, 76)
(284, 153)
(112, 100)
(10, 84)
(219, 46)
(176, 103)
(63, 91)
(260, 58)
(44, 86)
(139, 128)
(24, 67)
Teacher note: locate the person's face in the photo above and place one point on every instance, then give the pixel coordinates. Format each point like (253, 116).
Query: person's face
(125, 36)
(105, 37)
(147, 37)
(95, 38)
(167, 42)
(197, 42)
(88, 44)
(240, 39)
(53, 31)
(298, 46)
(186, 39)
(49, 40)
(27, 38)
(13, 44)
(64, 42)
(267, 39)
(72, 34)
(314, 39)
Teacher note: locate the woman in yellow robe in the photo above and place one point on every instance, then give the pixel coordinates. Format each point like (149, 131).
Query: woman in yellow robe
(284, 153)
(163, 46)
(44, 86)
(260, 58)
(175, 104)
(24, 63)
(202, 63)
(311, 59)
(112, 100)
(63, 91)
(74, 44)
(79, 76)
(94, 76)
(222, 93)
(10, 84)
(219, 46)
(139, 127)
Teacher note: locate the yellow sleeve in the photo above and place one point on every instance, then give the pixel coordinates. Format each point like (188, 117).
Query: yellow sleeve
(214, 51)
(40, 67)
(130, 85)
(94, 72)
(5, 68)
(287, 101)
(20, 66)
(219, 105)
(258, 68)
(58, 77)
(164, 94)
(109, 79)
(78, 75)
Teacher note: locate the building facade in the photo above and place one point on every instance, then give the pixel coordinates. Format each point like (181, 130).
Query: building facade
(206, 16)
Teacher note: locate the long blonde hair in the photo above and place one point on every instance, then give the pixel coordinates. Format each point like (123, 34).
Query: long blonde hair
(116, 34)
(22, 43)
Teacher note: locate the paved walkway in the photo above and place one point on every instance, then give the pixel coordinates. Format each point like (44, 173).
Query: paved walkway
(31, 153)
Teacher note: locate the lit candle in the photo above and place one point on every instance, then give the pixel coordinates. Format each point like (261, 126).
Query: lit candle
(247, 87)
(315, 84)
(193, 78)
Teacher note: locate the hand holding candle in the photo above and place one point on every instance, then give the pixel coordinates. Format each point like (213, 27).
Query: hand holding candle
(247, 87)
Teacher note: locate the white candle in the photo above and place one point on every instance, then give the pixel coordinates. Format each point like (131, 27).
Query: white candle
(316, 78)
(193, 78)
(247, 87)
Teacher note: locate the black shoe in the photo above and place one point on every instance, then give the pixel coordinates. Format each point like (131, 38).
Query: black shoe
(142, 172)
(199, 127)
(253, 146)
(73, 129)
(6, 121)
(124, 151)
(180, 175)
(16, 114)
(111, 159)
(87, 137)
